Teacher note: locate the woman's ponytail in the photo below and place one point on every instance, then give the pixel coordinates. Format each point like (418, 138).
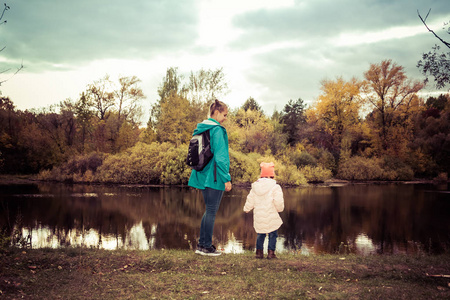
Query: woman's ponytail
(217, 105)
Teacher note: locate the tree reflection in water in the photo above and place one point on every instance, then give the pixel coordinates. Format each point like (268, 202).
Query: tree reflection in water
(363, 219)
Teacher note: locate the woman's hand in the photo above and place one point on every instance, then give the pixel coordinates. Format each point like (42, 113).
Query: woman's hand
(228, 186)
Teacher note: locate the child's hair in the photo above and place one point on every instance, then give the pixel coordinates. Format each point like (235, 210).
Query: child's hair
(217, 105)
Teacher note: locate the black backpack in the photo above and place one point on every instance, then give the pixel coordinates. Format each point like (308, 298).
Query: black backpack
(199, 152)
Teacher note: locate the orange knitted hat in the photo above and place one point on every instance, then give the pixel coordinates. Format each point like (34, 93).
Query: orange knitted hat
(267, 169)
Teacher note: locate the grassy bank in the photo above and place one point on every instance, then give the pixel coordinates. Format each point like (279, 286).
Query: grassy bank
(159, 274)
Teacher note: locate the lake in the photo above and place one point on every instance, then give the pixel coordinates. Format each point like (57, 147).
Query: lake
(363, 219)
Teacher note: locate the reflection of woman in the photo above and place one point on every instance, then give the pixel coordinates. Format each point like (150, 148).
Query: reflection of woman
(215, 178)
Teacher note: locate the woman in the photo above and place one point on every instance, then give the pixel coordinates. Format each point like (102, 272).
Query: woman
(215, 178)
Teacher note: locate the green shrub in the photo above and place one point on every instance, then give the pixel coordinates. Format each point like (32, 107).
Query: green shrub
(290, 175)
(305, 159)
(360, 168)
(141, 164)
(243, 168)
(174, 167)
(77, 169)
(298, 156)
(146, 164)
(315, 174)
(395, 169)
(161, 163)
(326, 160)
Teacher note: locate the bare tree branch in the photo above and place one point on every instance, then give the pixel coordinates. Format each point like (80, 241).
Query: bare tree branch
(424, 23)
(6, 7)
(17, 71)
(3, 13)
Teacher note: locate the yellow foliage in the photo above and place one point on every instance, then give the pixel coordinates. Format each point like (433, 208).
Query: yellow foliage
(249, 131)
(315, 174)
(337, 109)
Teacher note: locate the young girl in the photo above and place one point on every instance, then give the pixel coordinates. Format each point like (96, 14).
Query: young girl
(266, 198)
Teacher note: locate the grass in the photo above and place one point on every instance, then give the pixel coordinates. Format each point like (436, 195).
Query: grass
(175, 274)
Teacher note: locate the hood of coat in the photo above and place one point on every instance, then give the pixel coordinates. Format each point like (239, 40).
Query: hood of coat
(205, 125)
(263, 185)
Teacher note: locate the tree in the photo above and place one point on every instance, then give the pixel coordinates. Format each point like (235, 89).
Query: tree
(84, 115)
(293, 117)
(114, 104)
(129, 96)
(392, 97)
(337, 108)
(171, 85)
(192, 101)
(6, 111)
(206, 85)
(67, 111)
(435, 63)
(249, 131)
(173, 125)
(252, 105)
(203, 87)
(431, 145)
(101, 96)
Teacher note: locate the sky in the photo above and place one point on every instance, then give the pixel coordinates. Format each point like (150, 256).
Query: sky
(271, 50)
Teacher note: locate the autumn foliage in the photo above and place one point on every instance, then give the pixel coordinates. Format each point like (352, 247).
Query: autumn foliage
(375, 128)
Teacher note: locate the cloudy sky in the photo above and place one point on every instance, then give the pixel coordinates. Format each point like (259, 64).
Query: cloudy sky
(271, 50)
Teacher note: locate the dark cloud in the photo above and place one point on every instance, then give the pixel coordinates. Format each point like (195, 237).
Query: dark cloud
(289, 49)
(314, 26)
(298, 74)
(324, 19)
(46, 33)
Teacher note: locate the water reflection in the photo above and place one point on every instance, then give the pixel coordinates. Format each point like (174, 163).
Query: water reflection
(361, 219)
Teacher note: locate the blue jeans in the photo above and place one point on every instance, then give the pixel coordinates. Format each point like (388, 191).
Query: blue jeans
(212, 200)
(272, 240)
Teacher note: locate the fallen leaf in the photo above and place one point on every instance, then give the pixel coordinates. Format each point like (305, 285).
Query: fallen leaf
(59, 268)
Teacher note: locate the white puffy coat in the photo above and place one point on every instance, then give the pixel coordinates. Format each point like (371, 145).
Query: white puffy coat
(266, 198)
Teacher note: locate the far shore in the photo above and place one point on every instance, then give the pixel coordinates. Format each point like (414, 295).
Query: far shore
(6, 179)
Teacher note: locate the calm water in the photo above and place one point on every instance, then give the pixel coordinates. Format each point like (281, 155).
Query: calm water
(362, 219)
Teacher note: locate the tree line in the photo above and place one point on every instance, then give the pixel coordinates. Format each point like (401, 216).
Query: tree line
(374, 128)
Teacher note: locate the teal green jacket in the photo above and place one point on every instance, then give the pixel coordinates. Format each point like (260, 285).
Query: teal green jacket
(217, 171)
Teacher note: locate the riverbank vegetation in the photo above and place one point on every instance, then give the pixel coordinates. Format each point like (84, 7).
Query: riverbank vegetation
(374, 128)
(78, 273)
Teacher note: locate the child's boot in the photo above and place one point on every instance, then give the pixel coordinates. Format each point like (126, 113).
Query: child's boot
(259, 253)
(271, 254)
